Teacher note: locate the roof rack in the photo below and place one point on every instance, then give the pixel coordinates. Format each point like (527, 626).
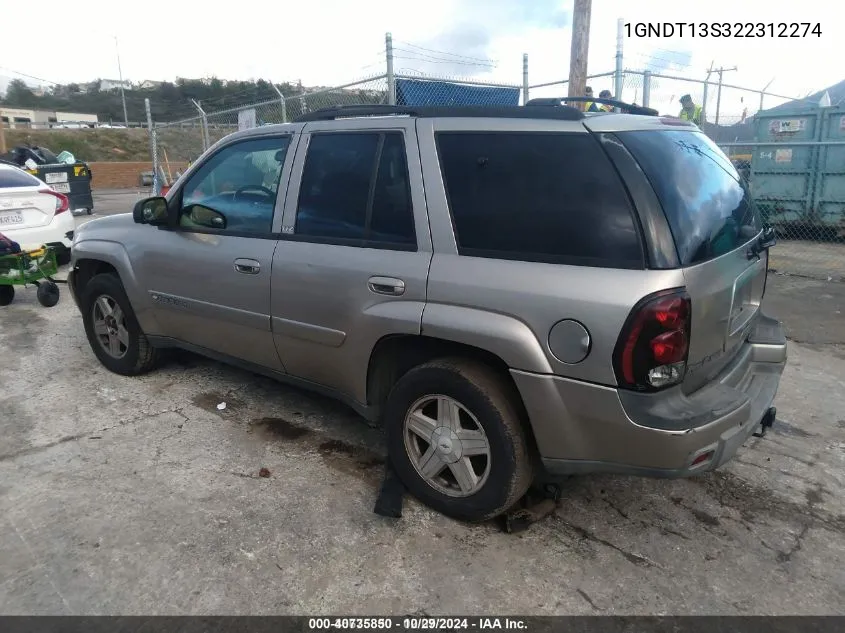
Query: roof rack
(627, 108)
(562, 112)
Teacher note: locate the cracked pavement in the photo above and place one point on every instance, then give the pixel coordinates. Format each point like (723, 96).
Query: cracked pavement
(138, 496)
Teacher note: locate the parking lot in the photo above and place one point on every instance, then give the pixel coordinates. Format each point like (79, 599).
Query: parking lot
(142, 496)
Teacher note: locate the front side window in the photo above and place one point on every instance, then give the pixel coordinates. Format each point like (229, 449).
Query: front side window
(542, 197)
(709, 211)
(355, 187)
(239, 183)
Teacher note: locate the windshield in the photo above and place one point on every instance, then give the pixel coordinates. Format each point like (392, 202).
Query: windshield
(709, 210)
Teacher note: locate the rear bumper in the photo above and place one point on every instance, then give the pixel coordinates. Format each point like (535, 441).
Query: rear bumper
(585, 428)
(54, 234)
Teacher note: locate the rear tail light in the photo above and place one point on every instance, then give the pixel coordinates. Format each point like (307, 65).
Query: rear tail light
(62, 203)
(652, 350)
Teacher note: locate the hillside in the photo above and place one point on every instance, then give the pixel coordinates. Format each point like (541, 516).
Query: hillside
(117, 145)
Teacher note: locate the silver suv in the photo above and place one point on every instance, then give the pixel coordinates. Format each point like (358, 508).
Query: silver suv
(511, 291)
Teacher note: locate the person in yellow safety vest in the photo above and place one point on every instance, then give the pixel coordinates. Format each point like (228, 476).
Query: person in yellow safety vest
(690, 111)
(590, 106)
(605, 94)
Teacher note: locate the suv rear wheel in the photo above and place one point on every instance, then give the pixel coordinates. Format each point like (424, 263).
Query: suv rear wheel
(456, 439)
(112, 329)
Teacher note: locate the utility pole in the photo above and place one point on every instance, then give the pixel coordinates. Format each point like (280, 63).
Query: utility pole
(120, 73)
(719, 91)
(2, 137)
(580, 48)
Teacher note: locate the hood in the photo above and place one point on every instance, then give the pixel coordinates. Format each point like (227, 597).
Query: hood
(111, 228)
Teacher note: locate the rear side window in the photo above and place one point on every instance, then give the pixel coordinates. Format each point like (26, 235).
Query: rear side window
(355, 190)
(16, 178)
(709, 211)
(537, 197)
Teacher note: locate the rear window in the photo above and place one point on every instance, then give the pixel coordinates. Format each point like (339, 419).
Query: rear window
(17, 178)
(537, 197)
(709, 211)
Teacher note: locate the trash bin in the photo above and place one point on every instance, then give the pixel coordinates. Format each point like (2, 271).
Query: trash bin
(72, 180)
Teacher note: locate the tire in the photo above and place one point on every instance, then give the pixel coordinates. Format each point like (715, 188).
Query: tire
(63, 257)
(133, 355)
(89, 211)
(489, 404)
(48, 294)
(7, 295)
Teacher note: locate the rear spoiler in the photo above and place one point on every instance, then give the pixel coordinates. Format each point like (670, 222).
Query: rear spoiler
(627, 108)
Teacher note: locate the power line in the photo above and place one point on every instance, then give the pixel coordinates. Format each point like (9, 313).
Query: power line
(17, 72)
(437, 52)
(441, 60)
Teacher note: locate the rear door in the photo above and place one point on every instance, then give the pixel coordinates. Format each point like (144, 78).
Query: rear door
(353, 263)
(714, 223)
(21, 205)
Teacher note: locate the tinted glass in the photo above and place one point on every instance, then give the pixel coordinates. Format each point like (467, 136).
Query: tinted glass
(241, 182)
(335, 189)
(709, 211)
(537, 197)
(351, 191)
(392, 218)
(17, 178)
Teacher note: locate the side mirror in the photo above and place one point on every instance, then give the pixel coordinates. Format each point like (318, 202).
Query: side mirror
(203, 216)
(151, 211)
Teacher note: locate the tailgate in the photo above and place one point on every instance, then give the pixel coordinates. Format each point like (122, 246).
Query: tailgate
(725, 294)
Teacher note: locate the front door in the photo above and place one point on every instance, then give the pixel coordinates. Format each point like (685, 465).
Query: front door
(209, 279)
(352, 264)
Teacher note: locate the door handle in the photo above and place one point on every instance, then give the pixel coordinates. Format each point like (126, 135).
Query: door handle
(386, 286)
(247, 266)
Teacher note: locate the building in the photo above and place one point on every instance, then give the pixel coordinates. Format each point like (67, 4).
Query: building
(44, 119)
(149, 84)
(113, 84)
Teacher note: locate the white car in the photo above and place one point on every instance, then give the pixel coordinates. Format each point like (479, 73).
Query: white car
(33, 214)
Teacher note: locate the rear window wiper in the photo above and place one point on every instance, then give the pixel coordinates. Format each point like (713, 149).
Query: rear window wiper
(764, 241)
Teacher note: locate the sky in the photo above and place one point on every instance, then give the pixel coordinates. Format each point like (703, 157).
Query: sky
(332, 42)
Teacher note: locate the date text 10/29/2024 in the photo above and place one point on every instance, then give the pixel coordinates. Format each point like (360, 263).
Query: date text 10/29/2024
(724, 29)
(417, 624)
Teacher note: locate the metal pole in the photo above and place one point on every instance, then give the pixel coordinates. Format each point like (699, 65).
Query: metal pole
(706, 86)
(391, 77)
(525, 86)
(646, 87)
(763, 92)
(719, 97)
(120, 73)
(206, 140)
(153, 147)
(719, 90)
(284, 105)
(579, 48)
(618, 79)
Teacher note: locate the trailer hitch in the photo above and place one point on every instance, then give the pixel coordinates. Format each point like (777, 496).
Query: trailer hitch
(767, 422)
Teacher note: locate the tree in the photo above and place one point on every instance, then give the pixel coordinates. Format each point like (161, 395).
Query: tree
(18, 93)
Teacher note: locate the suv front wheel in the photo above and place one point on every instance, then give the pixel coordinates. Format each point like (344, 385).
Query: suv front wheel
(456, 439)
(112, 329)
